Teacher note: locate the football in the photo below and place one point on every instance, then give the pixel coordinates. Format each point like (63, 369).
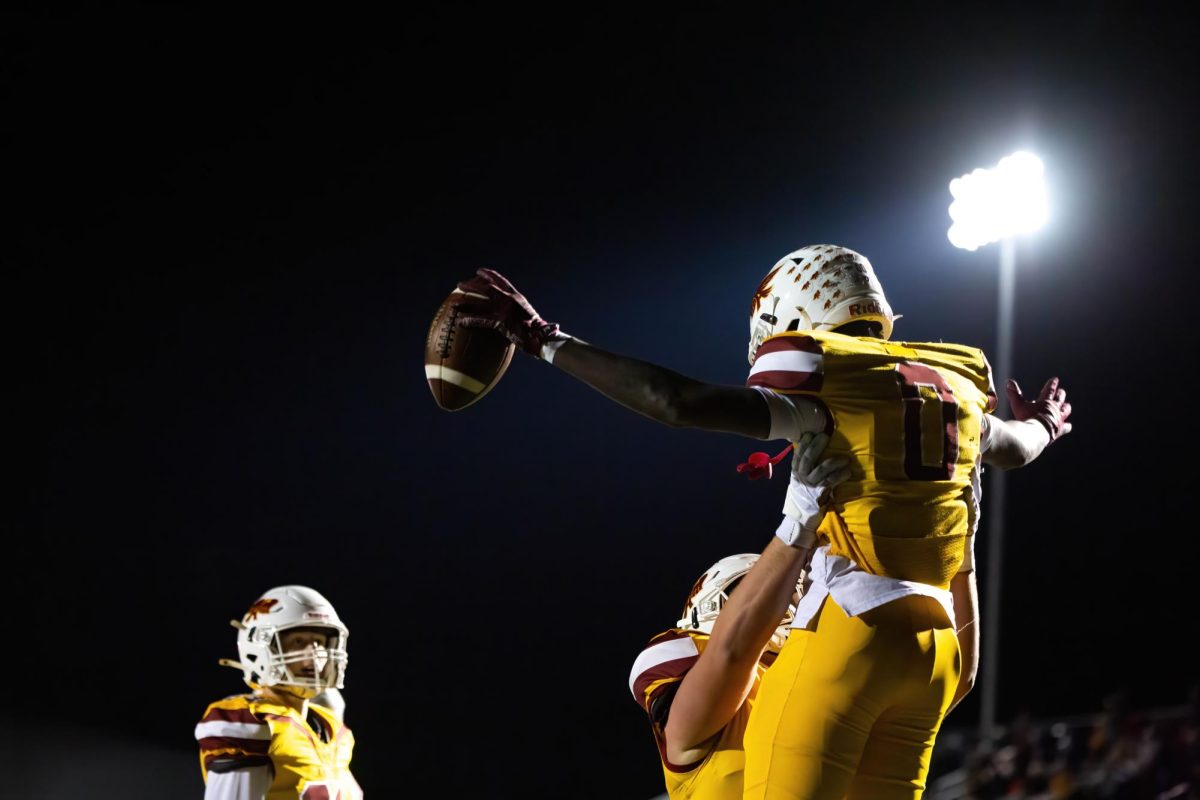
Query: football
(462, 364)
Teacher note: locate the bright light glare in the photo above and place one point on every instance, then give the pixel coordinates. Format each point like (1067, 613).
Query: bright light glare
(993, 204)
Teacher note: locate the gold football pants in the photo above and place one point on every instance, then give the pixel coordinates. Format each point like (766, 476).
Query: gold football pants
(851, 709)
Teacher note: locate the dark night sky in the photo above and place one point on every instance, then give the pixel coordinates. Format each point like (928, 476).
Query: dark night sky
(232, 233)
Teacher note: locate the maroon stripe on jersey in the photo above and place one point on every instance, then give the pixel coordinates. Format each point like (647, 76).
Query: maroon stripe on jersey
(667, 636)
(781, 343)
(651, 697)
(676, 668)
(227, 763)
(226, 742)
(231, 715)
(787, 380)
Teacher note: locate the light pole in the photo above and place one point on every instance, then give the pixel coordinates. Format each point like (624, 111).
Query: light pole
(997, 205)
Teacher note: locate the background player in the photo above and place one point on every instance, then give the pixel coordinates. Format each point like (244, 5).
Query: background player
(914, 418)
(275, 743)
(697, 681)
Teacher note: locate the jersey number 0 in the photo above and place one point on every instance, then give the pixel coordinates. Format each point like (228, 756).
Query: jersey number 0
(930, 415)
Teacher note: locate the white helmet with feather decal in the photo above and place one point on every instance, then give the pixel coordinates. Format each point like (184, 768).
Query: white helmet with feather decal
(818, 287)
(284, 613)
(711, 592)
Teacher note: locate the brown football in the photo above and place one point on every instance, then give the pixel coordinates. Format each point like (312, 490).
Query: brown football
(462, 364)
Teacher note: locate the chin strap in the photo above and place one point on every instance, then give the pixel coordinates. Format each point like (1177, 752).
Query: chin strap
(761, 465)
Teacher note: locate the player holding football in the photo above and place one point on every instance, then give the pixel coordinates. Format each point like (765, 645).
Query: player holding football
(889, 644)
(276, 743)
(697, 681)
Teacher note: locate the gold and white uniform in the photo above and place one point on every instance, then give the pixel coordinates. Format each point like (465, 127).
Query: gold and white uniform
(910, 417)
(655, 676)
(251, 747)
(854, 702)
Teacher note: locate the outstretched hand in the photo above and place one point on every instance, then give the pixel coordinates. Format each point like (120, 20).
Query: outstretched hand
(491, 301)
(1050, 408)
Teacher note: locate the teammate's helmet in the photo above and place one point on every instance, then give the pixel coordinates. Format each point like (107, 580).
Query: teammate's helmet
(712, 590)
(260, 652)
(817, 288)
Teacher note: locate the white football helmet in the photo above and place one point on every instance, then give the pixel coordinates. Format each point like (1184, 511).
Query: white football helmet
(712, 590)
(817, 288)
(306, 672)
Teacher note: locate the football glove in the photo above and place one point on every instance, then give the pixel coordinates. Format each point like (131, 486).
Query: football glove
(1050, 408)
(808, 490)
(493, 302)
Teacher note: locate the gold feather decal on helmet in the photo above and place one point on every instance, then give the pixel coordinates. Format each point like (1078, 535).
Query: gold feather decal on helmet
(262, 606)
(764, 291)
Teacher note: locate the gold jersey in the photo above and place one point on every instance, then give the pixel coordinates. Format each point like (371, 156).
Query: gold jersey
(910, 416)
(246, 731)
(655, 676)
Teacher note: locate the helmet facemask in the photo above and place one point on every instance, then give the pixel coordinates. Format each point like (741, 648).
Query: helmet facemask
(314, 666)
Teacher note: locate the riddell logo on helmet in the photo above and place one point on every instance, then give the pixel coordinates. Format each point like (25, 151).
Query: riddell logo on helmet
(867, 307)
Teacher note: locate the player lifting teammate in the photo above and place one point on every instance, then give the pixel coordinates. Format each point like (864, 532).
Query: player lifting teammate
(697, 682)
(915, 421)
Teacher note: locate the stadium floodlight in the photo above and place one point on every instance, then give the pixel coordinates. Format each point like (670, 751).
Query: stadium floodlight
(994, 204)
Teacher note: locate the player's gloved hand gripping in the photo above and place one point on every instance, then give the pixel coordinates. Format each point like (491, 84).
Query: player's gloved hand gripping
(1050, 408)
(808, 490)
(493, 302)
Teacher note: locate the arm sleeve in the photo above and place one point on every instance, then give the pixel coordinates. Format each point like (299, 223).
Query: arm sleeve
(792, 416)
(251, 783)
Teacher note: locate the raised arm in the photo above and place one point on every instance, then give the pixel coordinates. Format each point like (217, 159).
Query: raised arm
(663, 395)
(1035, 424)
(715, 688)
